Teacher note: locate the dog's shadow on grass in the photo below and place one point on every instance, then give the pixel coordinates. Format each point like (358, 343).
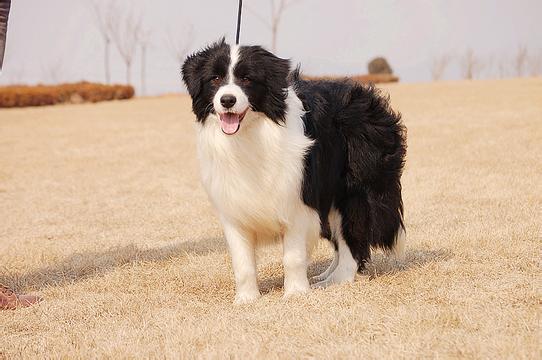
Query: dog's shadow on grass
(83, 265)
(380, 265)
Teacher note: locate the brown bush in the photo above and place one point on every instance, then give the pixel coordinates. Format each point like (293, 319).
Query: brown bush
(363, 79)
(379, 65)
(39, 95)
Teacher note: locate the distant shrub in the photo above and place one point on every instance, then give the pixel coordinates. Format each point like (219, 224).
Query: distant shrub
(379, 65)
(39, 95)
(363, 79)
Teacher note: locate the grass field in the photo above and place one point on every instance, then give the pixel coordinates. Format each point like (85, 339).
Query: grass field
(102, 213)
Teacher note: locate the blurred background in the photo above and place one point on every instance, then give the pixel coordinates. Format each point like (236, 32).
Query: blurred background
(143, 43)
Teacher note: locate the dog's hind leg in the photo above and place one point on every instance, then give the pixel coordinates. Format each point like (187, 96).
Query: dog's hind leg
(346, 268)
(346, 265)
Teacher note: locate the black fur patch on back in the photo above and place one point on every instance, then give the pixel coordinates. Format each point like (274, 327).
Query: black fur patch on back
(356, 163)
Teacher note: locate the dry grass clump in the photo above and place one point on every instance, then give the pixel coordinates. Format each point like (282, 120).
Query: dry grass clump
(39, 95)
(102, 213)
(363, 79)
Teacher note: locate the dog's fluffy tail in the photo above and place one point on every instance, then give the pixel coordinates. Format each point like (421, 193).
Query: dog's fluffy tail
(386, 228)
(376, 147)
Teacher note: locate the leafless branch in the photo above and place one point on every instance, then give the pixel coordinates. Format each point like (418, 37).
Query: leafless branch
(489, 65)
(104, 18)
(125, 34)
(535, 65)
(258, 16)
(439, 66)
(503, 67)
(144, 40)
(278, 7)
(520, 61)
(179, 44)
(101, 15)
(471, 65)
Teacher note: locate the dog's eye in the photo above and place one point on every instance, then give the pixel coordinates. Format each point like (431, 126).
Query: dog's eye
(216, 79)
(245, 80)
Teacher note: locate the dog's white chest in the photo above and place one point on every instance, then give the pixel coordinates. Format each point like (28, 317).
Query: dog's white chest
(254, 177)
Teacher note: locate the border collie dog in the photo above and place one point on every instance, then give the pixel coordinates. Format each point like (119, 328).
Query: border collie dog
(290, 160)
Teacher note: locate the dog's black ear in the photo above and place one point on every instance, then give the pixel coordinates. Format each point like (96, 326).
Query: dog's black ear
(277, 71)
(191, 71)
(192, 68)
(295, 75)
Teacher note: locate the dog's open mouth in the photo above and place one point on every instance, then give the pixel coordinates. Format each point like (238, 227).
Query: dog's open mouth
(231, 122)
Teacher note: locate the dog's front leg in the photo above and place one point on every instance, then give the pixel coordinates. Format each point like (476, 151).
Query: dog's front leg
(241, 244)
(295, 259)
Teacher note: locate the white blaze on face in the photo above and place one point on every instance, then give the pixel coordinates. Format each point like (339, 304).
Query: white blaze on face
(231, 117)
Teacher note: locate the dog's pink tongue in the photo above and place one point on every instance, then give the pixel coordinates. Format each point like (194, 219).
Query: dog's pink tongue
(229, 123)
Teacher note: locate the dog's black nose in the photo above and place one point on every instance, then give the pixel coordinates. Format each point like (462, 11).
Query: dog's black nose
(228, 101)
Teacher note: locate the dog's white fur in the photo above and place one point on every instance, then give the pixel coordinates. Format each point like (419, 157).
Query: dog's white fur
(254, 179)
(232, 89)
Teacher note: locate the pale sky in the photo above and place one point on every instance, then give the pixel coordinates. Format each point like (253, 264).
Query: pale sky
(51, 40)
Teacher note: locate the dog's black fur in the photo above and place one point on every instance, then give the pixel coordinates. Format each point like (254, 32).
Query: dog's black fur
(356, 162)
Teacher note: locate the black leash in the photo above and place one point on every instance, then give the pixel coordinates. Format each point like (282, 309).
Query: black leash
(238, 22)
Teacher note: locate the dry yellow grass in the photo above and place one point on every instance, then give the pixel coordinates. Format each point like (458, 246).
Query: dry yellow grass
(102, 213)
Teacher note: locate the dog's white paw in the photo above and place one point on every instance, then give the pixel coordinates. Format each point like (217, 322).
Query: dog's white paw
(336, 278)
(246, 297)
(296, 289)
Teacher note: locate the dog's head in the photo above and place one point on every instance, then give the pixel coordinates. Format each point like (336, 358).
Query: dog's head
(229, 84)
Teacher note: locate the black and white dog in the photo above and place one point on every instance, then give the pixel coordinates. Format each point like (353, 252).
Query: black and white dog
(284, 159)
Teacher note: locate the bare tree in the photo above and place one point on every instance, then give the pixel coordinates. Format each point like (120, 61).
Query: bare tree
(125, 34)
(104, 17)
(535, 65)
(471, 66)
(520, 61)
(438, 68)
(179, 44)
(503, 67)
(278, 7)
(489, 65)
(144, 38)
